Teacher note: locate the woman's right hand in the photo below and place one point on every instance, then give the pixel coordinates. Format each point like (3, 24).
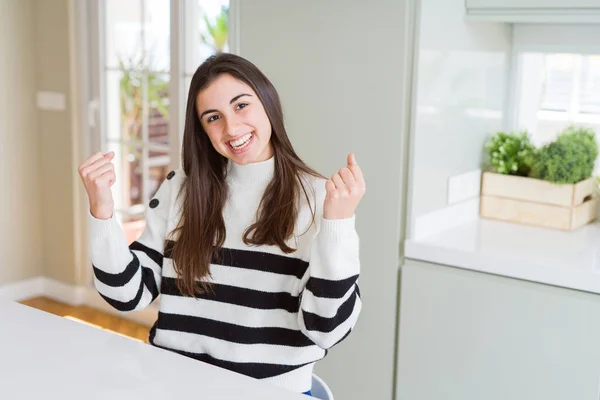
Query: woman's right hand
(98, 175)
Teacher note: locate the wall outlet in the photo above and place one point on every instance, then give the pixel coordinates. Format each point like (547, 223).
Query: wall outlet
(464, 186)
(53, 101)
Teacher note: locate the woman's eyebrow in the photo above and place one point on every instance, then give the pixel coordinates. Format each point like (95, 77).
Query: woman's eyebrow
(230, 102)
(238, 96)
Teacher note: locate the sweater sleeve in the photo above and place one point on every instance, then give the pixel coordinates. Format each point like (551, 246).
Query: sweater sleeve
(129, 277)
(330, 301)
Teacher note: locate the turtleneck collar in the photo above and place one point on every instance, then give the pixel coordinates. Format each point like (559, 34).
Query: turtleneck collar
(253, 174)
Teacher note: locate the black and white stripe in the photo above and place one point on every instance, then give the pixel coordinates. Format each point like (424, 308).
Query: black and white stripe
(268, 315)
(253, 260)
(329, 309)
(136, 284)
(258, 370)
(245, 315)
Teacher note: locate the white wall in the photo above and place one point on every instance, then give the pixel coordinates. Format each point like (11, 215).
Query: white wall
(37, 166)
(340, 68)
(460, 98)
(20, 237)
(58, 167)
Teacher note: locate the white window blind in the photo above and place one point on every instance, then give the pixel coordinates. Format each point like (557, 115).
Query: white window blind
(589, 96)
(558, 82)
(571, 83)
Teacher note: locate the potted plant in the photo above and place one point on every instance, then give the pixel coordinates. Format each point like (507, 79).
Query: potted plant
(551, 186)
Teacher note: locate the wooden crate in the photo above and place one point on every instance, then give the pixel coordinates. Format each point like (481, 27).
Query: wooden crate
(537, 202)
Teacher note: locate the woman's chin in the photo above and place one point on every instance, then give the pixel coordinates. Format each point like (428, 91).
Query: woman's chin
(245, 158)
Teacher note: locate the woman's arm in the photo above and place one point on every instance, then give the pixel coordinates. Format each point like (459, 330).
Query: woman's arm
(129, 277)
(330, 301)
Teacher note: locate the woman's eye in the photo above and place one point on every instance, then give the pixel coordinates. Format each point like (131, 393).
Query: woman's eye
(212, 118)
(241, 105)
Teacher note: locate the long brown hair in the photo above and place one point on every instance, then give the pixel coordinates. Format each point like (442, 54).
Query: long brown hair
(202, 227)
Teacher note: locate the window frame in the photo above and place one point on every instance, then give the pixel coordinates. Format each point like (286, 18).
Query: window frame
(88, 32)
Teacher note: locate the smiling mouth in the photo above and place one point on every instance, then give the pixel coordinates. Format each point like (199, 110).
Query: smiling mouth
(242, 142)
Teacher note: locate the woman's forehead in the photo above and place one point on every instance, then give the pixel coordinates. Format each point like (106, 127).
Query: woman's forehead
(223, 89)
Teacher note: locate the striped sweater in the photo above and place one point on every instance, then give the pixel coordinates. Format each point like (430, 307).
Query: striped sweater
(271, 315)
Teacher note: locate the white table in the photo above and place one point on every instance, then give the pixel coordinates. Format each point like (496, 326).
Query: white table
(43, 356)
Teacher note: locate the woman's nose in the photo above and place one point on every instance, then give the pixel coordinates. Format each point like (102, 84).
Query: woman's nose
(232, 127)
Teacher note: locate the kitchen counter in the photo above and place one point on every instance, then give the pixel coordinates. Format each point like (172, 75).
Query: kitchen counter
(566, 259)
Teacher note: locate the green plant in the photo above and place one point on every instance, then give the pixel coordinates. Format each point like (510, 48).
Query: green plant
(568, 159)
(134, 70)
(218, 31)
(511, 153)
(140, 83)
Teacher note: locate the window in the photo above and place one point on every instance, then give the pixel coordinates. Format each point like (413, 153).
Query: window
(207, 33)
(571, 84)
(141, 86)
(136, 73)
(556, 90)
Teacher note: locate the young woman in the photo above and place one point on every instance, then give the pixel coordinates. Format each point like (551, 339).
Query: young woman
(255, 255)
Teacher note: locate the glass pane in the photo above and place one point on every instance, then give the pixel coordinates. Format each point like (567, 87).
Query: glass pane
(590, 85)
(128, 188)
(206, 31)
(156, 34)
(187, 81)
(129, 94)
(123, 30)
(158, 109)
(558, 81)
(158, 166)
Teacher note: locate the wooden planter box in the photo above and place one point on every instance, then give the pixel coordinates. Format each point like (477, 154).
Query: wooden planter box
(537, 202)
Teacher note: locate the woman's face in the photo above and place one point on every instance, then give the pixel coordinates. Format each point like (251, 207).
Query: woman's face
(235, 120)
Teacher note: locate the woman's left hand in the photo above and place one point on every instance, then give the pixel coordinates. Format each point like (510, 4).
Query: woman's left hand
(344, 191)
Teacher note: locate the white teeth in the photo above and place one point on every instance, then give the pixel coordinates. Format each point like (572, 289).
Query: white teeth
(241, 142)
